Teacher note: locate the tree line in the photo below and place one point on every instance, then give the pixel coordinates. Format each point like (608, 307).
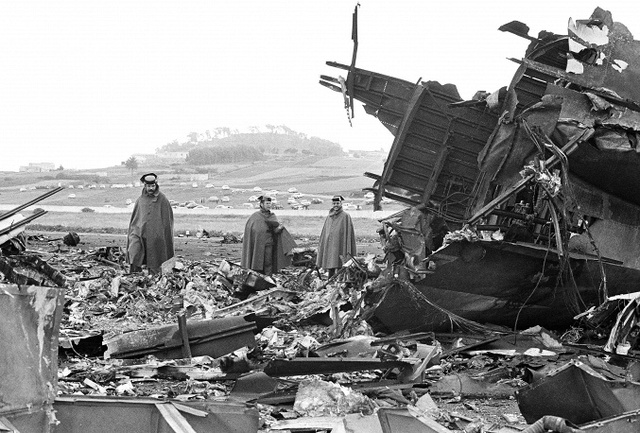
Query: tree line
(232, 146)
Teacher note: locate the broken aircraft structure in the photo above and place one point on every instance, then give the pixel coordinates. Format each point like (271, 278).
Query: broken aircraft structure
(537, 183)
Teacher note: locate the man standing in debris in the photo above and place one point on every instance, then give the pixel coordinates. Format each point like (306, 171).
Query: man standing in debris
(337, 240)
(266, 242)
(150, 234)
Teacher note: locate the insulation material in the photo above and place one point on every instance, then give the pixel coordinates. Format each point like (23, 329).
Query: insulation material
(29, 371)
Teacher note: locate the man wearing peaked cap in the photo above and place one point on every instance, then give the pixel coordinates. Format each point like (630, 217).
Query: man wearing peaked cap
(266, 242)
(149, 178)
(150, 234)
(337, 240)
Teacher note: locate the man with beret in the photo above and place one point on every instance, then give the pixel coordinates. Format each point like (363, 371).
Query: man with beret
(337, 240)
(266, 242)
(150, 234)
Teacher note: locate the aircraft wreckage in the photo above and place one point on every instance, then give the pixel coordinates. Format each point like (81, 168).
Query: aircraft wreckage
(523, 203)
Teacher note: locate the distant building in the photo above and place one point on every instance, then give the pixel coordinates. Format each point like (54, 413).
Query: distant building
(142, 157)
(177, 156)
(38, 167)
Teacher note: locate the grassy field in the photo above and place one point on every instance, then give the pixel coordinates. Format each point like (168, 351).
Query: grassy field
(314, 177)
(299, 226)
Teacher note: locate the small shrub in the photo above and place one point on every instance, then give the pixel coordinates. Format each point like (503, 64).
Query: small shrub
(87, 209)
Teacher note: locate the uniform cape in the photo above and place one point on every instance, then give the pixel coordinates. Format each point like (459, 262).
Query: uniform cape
(150, 234)
(337, 239)
(257, 232)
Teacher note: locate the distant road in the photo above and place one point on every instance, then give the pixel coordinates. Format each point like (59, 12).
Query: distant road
(369, 214)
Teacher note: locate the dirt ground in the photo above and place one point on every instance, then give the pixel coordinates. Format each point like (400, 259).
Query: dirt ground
(188, 248)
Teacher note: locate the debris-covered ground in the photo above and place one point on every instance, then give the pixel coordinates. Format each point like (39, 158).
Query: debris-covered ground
(465, 382)
(294, 321)
(296, 347)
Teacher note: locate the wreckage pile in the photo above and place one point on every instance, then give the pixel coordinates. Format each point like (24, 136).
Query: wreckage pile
(297, 348)
(508, 280)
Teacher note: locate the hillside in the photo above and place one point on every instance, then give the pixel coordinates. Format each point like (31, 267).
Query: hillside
(233, 146)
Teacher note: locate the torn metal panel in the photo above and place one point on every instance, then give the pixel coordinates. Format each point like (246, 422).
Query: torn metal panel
(598, 53)
(215, 338)
(101, 415)
(402, 420)
(253, 385)
(29, 371)
(604, 52)
(433, 157)
(578, 393)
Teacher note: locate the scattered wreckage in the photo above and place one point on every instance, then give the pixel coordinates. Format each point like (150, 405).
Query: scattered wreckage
(481, 264)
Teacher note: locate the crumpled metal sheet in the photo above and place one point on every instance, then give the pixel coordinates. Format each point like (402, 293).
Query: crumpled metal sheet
(578, 393)
(29, 320)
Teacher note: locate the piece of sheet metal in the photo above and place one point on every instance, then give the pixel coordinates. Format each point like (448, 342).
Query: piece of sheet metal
(400, 420)
(253, 385)
(216, 337)
(138, 415)
(29, 322)
(578, 393)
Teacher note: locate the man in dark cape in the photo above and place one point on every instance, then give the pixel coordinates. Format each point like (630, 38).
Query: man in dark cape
(150, 234)
(266, 242)
(337, 239)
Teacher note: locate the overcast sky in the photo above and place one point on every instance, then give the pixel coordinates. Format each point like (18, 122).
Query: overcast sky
(87, 83)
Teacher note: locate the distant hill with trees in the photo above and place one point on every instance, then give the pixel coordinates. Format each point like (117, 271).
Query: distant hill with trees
(226, 145)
